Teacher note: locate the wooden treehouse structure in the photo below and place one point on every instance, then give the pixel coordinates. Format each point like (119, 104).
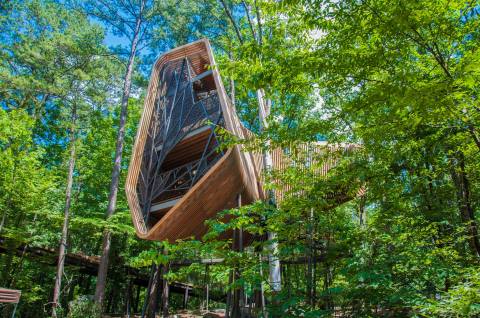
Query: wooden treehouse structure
(179, 176)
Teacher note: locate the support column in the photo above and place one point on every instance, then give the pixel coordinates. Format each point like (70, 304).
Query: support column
(238, 295)
(185, 298)
(228, 304)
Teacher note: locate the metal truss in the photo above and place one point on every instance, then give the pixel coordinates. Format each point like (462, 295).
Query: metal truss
(179, 110)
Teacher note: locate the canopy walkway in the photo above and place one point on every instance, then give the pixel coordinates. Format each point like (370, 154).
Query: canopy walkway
(89, 265)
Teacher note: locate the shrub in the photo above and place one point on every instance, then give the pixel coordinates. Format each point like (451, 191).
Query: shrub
(83, 307)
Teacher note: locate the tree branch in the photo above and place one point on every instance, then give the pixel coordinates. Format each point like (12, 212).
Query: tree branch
(230, 17)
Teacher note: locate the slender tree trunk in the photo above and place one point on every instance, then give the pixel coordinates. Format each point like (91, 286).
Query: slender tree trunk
(274, 262)
(112, 198)
(185, 299)
(146, 302)
(165, 288)
(261, 299)
(361, 211)
(235, 312)
(137, 298)
(238, 295)
(206, 283)
(68, 200)
(3, 221)
(310, 259)
(228, 305)
(153, 296)
(289, 280)
(232, 20)
(128, 298)
(314, 278)
(467, 215)
(232, 91)
(240, 249)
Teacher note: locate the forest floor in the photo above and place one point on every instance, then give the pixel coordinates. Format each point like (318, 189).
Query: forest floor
(195, 314)
(220, 313)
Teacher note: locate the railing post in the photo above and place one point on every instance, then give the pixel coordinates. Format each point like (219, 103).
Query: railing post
(14, 310)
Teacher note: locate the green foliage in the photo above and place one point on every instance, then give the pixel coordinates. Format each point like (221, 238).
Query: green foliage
(82, 307)
(462, 300)
(26, 185)
(54, 58)
(400, 79)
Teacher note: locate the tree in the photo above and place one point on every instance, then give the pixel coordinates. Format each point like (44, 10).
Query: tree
(87, 68)
(130, 19)
(395, 80)
(69, 64)
(24, 182)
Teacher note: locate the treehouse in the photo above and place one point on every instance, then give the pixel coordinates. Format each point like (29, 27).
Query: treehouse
(179, 175)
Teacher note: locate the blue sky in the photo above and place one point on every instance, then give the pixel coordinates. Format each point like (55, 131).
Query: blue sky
(113, 40)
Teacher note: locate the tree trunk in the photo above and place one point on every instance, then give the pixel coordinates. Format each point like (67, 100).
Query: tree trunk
(137, 298)
(309, 256)
(206, 283)
(232, 20)
(112, 198)
(128, 298)
(153, 295)
(165, 287)
(3, 220)
(235, 300)
(467, 215)
(228, 304)
(153, 271)
(68, 200)
(274, 262)
(185, 299)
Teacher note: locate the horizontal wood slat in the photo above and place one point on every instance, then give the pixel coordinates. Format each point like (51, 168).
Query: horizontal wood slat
(10, 295)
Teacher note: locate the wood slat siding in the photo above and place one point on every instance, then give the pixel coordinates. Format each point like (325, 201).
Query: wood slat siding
(10, 296)
(237, 172)
(329, 154)
(308, 155)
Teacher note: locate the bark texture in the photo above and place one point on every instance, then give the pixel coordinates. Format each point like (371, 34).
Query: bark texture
(467, 213)
(68, 200)
(274, 262)
(112, 198)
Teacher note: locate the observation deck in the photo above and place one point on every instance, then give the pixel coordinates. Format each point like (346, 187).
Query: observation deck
(179, 175)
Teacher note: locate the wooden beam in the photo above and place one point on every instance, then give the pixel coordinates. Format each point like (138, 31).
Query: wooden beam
(89, 265)
(202, 75)
(164, 205)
